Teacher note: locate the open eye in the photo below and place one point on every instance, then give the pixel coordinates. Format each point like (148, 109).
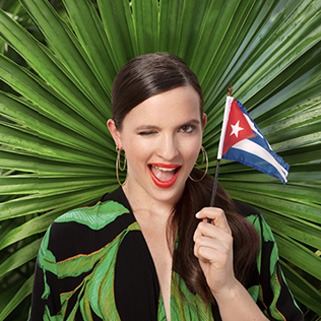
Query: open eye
(187, 129)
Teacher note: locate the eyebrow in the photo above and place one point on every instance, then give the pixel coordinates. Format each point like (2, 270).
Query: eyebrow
(149, 127)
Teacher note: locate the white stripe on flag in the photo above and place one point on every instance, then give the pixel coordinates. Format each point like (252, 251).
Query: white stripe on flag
(227, 108)
(257, 150)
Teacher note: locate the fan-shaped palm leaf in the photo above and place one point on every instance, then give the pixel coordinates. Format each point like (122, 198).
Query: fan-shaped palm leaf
(55, 149)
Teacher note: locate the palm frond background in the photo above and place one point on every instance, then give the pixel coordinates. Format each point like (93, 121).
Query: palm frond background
(57, 63)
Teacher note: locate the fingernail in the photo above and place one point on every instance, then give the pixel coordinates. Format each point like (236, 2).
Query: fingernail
(197, 215)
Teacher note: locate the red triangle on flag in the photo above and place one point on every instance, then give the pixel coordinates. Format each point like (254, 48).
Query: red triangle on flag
(237, 127)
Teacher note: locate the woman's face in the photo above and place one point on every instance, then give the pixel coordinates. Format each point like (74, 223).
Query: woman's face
(161, 137)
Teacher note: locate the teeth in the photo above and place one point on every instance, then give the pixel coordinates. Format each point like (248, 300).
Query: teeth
(164, 169)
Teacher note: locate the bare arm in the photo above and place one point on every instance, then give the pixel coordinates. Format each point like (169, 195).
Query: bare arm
(214, 249)
(238, 302)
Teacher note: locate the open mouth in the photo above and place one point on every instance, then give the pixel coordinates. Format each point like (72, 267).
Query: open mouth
(164, 175)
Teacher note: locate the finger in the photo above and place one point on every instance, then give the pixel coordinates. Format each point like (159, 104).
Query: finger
(222, 243)
(204, 229)
(210, 255)
(216, 215)
(203, 254)
(201, 242)
(213, 232)
(216, 244)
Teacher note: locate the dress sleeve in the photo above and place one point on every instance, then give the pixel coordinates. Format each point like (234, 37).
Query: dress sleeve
(45, 296)
(275, 295)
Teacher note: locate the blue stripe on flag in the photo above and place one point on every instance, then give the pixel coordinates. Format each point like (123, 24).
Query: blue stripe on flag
(256, 152)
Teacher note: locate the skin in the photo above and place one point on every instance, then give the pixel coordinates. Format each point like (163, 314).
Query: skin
(214, 249)
(164, 130)
(162, 138)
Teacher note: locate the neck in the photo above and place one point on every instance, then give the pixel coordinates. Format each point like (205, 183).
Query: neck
(150, 213)
(142, 203)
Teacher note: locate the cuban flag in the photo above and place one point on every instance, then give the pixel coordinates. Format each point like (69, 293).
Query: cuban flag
(242, 141)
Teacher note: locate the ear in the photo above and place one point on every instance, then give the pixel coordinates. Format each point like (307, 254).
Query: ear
(204, 120)
(114, 133)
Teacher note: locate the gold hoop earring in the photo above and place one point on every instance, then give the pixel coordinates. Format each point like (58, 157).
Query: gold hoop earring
(204, 160)
(119, 167)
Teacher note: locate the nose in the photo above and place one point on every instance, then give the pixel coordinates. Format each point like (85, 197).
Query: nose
(168, 148)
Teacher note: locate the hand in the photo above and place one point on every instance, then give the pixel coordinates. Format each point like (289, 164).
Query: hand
(214, 249)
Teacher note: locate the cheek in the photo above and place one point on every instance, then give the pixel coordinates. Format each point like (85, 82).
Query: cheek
(136, 153)
(131, 145)
(192, 151)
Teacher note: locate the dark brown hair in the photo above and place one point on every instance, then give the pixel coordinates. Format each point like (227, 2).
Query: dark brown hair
(245, 238)
(140, 79)
(146, 76)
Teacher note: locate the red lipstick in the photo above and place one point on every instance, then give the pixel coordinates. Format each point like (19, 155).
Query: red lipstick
(159, 166)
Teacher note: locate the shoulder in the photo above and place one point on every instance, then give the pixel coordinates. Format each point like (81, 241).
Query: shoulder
(99, 213)
(86, 229)
(252, 215)
(249, 212)
(93, 217)
(245, 209)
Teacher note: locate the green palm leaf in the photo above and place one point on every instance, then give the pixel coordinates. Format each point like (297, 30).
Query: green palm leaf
(56, 152)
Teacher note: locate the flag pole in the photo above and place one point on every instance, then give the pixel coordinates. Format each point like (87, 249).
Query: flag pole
(215, 183)
(217, 169)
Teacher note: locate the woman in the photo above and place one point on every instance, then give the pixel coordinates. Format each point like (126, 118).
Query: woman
(152, 249)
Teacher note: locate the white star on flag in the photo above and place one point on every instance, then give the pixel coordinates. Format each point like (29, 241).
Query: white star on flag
(235, 129)
(247, 144)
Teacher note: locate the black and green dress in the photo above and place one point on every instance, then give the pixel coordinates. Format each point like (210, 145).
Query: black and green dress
(94, 264)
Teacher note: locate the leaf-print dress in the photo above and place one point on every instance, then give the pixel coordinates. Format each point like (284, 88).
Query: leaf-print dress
(94, 264)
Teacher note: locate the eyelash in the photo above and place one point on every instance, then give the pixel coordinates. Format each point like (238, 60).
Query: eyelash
(146, 133)
(186, 129)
